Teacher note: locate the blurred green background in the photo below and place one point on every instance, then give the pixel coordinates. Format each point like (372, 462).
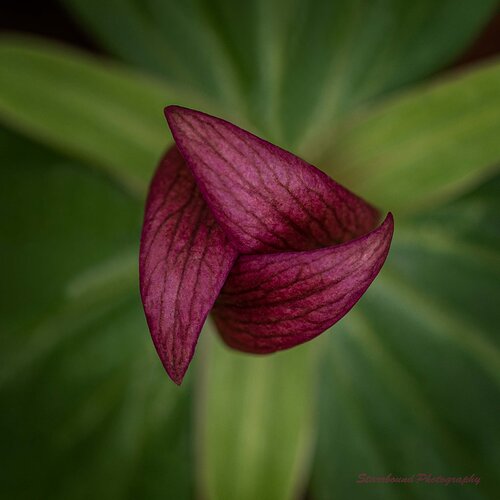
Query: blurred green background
(397, 99)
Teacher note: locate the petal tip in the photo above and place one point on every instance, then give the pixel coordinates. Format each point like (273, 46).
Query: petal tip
(174, 112)
(178, 122)
(176, 368)
(172, 109)
(176, 374)
(388, 224)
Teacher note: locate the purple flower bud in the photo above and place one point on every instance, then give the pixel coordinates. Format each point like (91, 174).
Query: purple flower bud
(279, 250)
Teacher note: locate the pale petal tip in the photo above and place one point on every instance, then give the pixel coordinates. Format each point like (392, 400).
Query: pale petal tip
(389, 222)
(177, 373)
(173, 112)
(176, 369)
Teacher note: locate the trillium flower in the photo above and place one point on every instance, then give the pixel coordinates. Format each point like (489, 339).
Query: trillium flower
(277, 250)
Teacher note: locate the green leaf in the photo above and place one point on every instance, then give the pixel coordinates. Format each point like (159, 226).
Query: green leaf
(424, 145)
(350, 52)
(178, 41)
(87, 409)
(290, 66)
(90, 108)
(56, 211)
(411, 378)
(255, 422)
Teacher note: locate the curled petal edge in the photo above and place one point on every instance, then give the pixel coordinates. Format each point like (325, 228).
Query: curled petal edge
(277, 301)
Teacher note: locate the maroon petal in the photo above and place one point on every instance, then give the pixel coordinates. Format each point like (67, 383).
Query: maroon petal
(266, 199)
(184, 260)
(276, 301)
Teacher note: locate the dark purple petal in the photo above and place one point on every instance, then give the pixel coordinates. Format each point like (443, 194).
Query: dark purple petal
(184, 260)
(276, 301)
(266, 199)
